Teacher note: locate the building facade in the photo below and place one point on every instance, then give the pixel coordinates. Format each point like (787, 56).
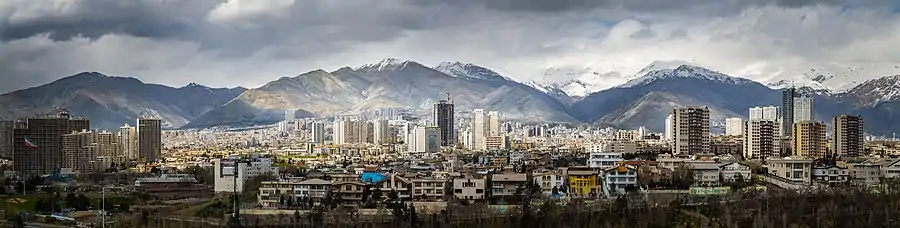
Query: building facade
(37, 142)
(761, 140)
(848, 136)
(444, 117)
(149, 133)
(809, 140)
(691, 130)
(734, 126)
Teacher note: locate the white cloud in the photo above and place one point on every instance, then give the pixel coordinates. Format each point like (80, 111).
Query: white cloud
(210, 43)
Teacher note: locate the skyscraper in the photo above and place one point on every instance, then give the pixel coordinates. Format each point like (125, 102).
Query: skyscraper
(493, 118)
(427, 140)
(803, 109)
(149, 131)
(479, 129)
(787, 111)
(734, 126)
(444, 118)
(691, 130)
(760, 140)
(670, 127)
(128, 142)
(6, 138)
(37, 142)
(317, 135)
(809, 140)
(764, 113)
(380, 131)
(848, 136)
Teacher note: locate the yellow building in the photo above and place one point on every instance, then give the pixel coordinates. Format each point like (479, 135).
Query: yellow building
(583, 182)
(809, 140)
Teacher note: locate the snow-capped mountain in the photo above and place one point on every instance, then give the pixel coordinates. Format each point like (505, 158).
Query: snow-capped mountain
(834, 77)
(659, 65)
(876, 91)
(579, 82)
(684, 71)
(469, 71)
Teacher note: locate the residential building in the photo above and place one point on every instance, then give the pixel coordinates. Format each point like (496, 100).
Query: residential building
(149, 134)
(351, 132)
(736, 171)
(350, 192)
(494, 123)
(470, 188)
(734, 126)
(430, 188)
(803, 109)
(427, 139)
(6, 139)
(550, 179)
(809, 139)
(81, 152)
(670, 127)
(798, 170)
(479, 130)
(584, 182)
(37, 143)
(317, 134)
(761, 141)
(381, 131)
(891, 169)
(830, 174)
(601, 158)
(706, 173)
(848, 136)
(496, 142)
(231, 173)
(290, 115)
(769, 113)
(865, 173)
(444, 117)
(396, 183)
(128, 142)
(691, 130)
(505, 185)
(272, 193)
(617, 180)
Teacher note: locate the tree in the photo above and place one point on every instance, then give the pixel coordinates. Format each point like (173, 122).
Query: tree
(683, 177)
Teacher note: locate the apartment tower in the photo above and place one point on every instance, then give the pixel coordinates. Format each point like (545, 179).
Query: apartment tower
(37, 142)
(809, 140)
(444, 118)
(149, 132)
(691, 130)
(848, 136)
(761, 139)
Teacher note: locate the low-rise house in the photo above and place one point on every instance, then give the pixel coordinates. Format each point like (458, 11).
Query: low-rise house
(830, 174)
(706, 173)
(618, 180)
(471, 188)
(891, 169)
(401, 185)
(865, 173)
(733, 171)
(350, 192)
(429, 189)
(550, 179)
(504, 186)
(275, 193)
(797, 170)
(584, 182)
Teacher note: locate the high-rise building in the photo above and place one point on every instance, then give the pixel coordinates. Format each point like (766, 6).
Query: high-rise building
(445, 120)
(848, 136)
(89, 152)
(479, 129)
(290, 115)
(6, 138)
(760, 139)
(691, 130)
(809, 140)
(670, 127)
(128, 142)
(380, 131)
(149, 132)
(493, 123)
(318, 133)
(37, 142)
(787, 111)
(764, 113)
(427, 139)
(734, 126)
(803, 109)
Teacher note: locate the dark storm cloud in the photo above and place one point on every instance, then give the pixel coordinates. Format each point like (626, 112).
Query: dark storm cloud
(94, 18)
(640, 5)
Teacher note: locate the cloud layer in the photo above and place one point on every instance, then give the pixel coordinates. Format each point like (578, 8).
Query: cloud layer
(249, 42)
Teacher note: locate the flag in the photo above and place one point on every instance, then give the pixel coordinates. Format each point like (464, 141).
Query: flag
(30, 144)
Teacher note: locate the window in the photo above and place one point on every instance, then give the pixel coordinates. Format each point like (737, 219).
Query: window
(458, 191)
(479, 191)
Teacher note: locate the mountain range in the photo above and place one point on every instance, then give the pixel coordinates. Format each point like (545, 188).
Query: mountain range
(644, 99)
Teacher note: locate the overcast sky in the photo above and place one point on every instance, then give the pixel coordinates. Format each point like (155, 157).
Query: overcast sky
(250, 42)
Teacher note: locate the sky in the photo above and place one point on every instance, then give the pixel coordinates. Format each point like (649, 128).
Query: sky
(227, 43)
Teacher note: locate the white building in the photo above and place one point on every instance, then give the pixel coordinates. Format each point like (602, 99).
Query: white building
(479, 130)
(734, 170)
(470, 188)
(764, 113)
(128, 142)
(706, 173)
(352, 131)
(601, 157)
(290, 115)
(734, 126)
(493, 123)
(617, 179)
(271, 192)
(427, 140)
(225, 170)
(803, 109)
(549, 179)
(670, 127)
(318, 133)
(380, 131)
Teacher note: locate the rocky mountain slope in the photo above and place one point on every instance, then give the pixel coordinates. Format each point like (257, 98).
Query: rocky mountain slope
(110, 102)
(390, 83)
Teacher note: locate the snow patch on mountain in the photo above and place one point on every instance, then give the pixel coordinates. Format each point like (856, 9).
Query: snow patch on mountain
(385, 64)
(469, 71)
(831, 76)
(684, 71)
(659, 65)
(579, 82)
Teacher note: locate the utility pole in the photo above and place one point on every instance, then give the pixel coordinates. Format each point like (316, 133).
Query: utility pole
(235, 220)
